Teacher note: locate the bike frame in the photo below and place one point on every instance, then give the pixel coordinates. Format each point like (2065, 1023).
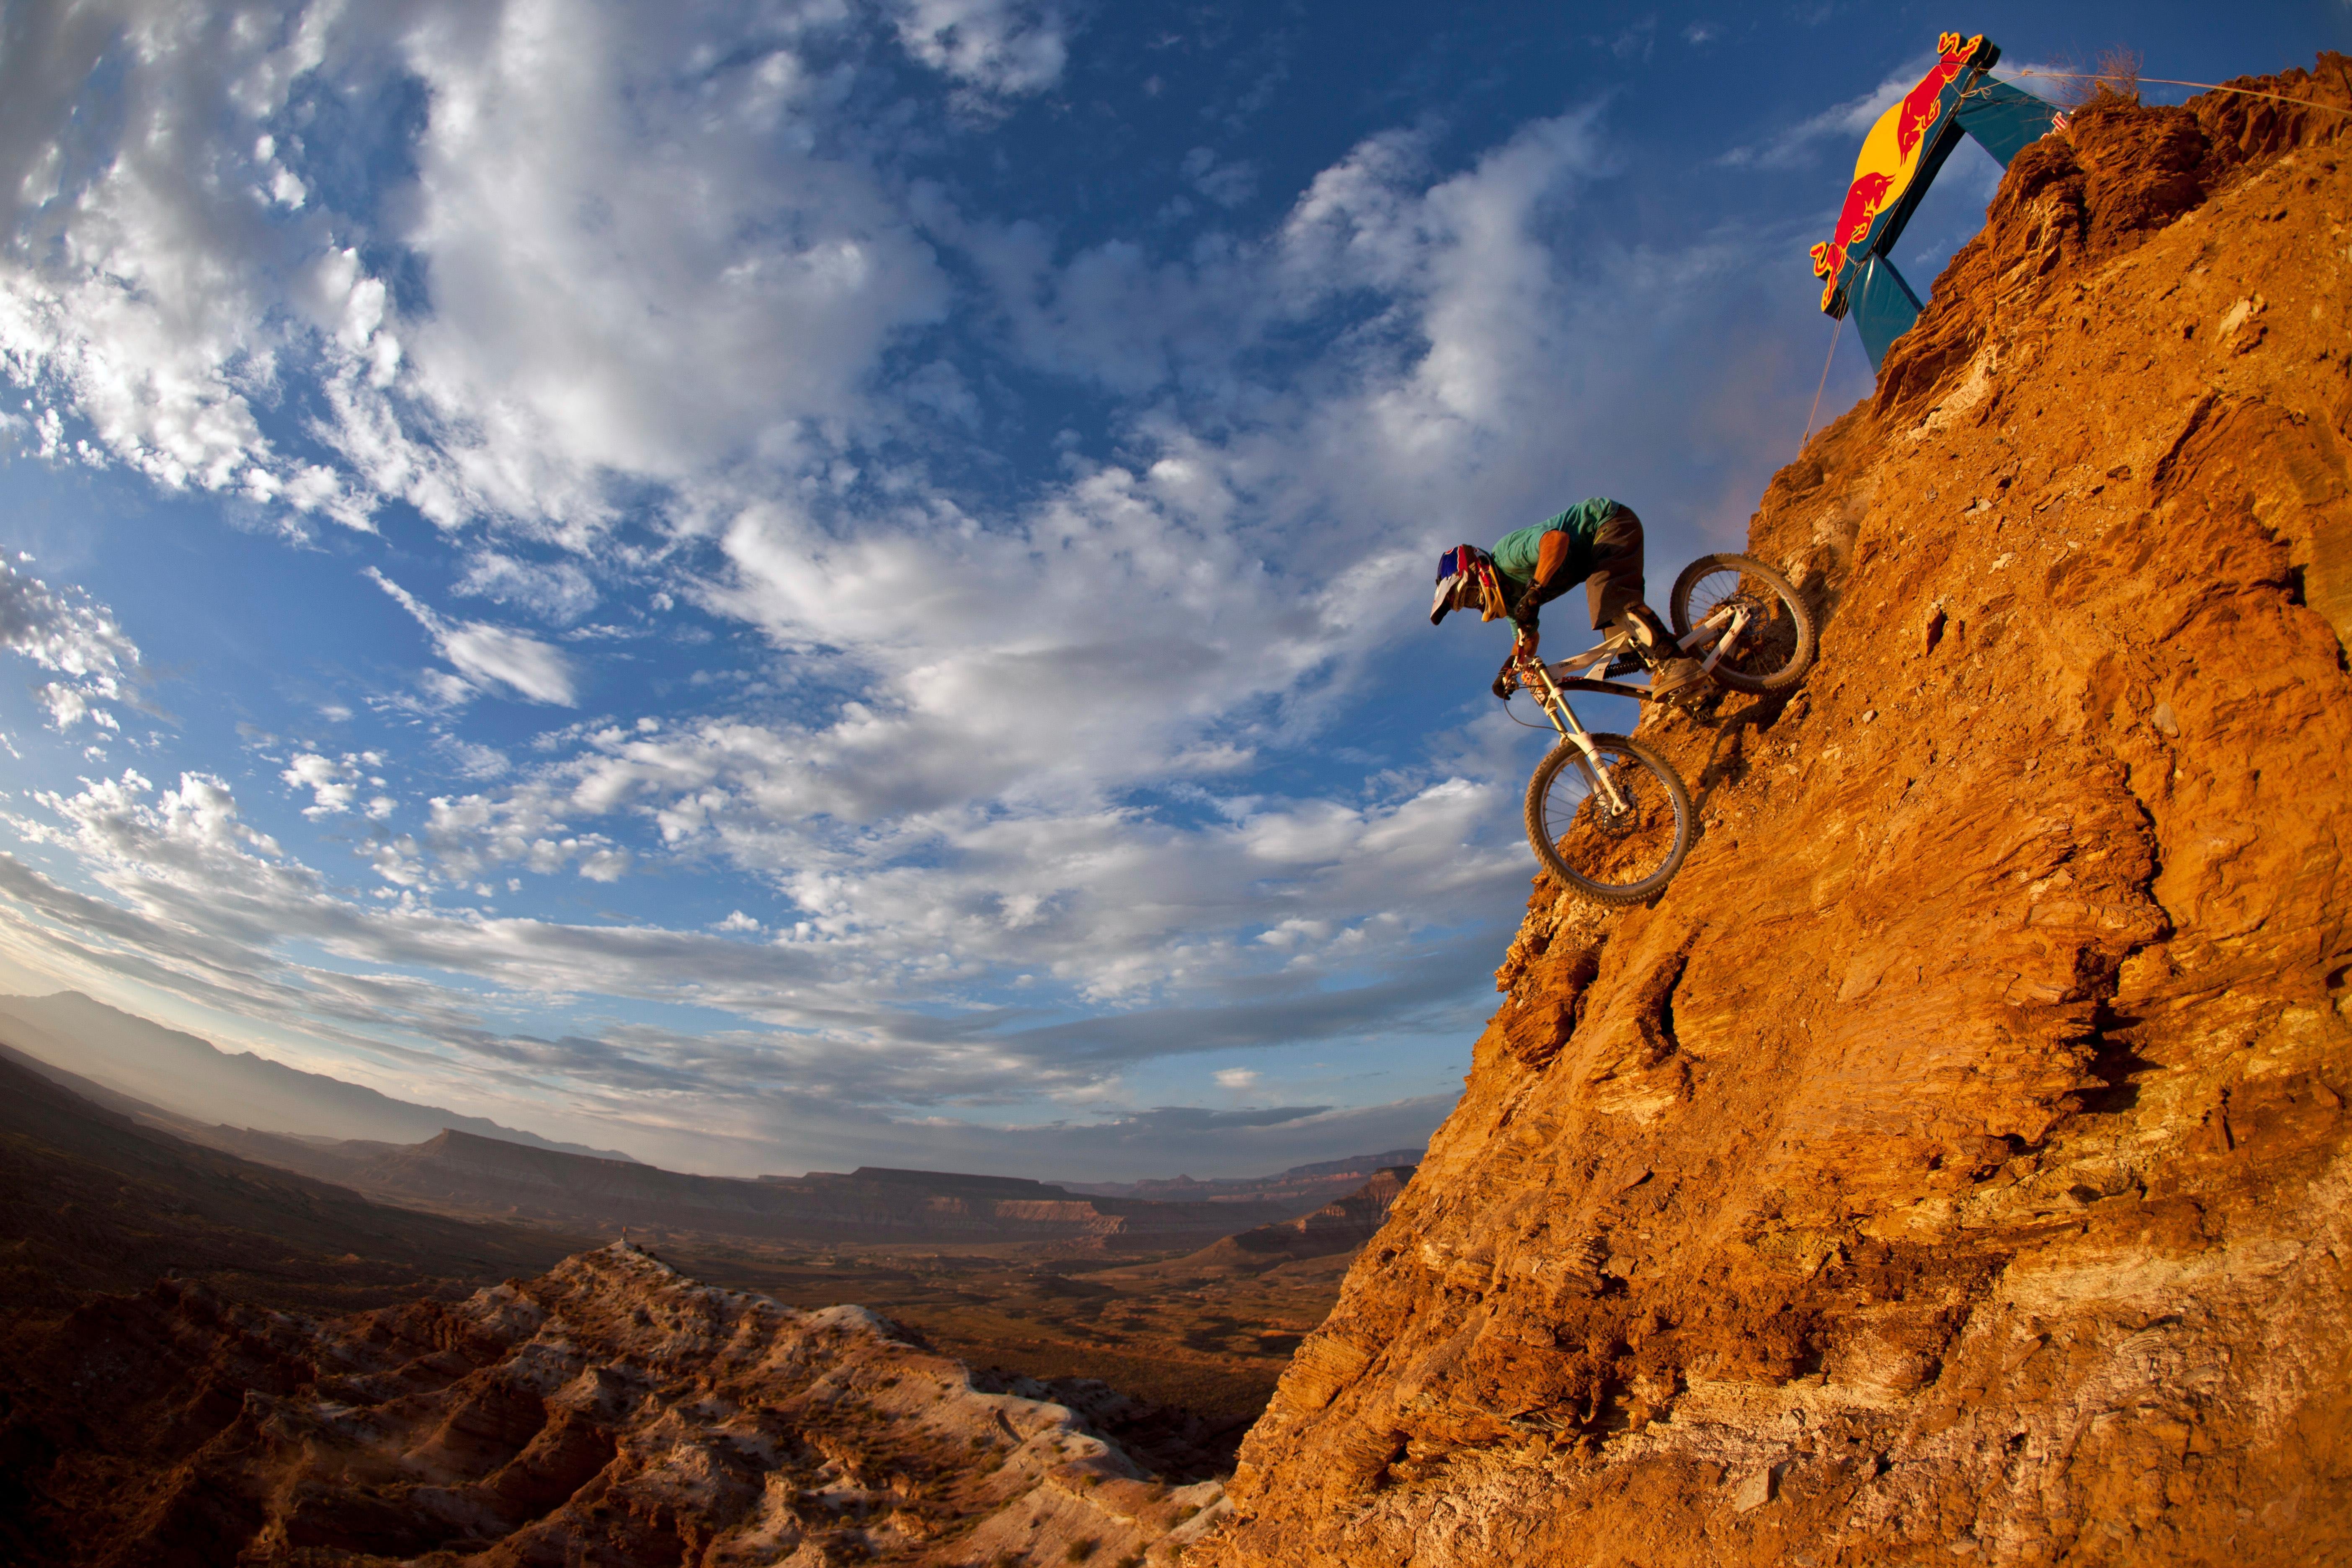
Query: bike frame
(1551, 683)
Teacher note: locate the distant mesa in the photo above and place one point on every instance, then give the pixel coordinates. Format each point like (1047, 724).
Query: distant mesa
(181, 1073)
(1336, 1229)
(1330, 1177)
(461, 1173)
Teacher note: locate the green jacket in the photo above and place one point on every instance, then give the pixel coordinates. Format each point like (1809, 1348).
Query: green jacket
(1515, 552)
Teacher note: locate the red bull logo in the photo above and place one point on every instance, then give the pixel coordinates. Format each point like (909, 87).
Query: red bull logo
(1890, 157)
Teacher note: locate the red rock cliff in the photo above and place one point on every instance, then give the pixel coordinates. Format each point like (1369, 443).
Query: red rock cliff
(1950, 1167)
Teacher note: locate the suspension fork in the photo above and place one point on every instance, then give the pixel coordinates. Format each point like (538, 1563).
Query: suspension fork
(1573, 732)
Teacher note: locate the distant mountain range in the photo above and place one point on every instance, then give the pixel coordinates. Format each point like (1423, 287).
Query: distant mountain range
(182, 1073)
(457, 1172)
(94, 1197)
(1326, 1177)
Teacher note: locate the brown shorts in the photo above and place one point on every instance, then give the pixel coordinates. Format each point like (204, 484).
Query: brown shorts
(1614, 585)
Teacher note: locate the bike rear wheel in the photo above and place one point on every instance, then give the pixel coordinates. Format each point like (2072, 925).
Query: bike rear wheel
(1616, 853)
(1777, 641)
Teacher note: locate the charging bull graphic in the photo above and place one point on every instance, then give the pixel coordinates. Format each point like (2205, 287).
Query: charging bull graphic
(1899, 160)
(1890, 154)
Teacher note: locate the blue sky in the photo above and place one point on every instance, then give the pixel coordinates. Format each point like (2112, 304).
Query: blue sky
(781, 586)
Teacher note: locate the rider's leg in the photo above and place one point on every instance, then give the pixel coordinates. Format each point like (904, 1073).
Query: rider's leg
(1614, 586)
(1614, 591)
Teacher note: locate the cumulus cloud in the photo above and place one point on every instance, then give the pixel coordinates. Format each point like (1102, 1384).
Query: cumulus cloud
(491, 656)
(333, 783)
(64, 632)
(149, 290)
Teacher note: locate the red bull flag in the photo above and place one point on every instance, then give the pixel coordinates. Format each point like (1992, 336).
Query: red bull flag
(1899, 161)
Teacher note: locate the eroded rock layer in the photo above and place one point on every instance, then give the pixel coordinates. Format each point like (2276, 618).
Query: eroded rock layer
(610, 1411)
(1950, 1166)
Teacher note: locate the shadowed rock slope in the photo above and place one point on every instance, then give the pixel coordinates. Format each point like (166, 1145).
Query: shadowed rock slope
(610, 1411)
(1950, 1167)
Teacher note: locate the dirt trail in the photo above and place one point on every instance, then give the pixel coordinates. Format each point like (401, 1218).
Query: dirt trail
(1950, 1167)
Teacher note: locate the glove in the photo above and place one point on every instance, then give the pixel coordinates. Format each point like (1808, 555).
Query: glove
(1507, 679)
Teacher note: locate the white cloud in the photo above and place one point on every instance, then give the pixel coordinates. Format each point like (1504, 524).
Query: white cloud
(1234, 1078)
(63, 631)
(1227, 185)
(1002, 46)
(491, 656)
(332, 783)
(203, 905)
(557, 590)
(149, 289)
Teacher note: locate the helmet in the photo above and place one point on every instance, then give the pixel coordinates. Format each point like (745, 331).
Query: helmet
(1465, 581)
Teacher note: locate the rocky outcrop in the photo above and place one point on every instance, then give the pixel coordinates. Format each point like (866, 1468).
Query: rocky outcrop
(1950, 1166)
(610, 1411)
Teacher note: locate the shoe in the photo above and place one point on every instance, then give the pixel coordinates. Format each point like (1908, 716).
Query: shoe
(1673, 678)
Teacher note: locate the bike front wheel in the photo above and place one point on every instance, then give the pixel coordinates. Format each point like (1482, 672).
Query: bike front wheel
(1616, 833)
(1777, 639)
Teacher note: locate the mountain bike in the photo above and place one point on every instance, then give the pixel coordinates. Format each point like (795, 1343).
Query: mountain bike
(1608, 816)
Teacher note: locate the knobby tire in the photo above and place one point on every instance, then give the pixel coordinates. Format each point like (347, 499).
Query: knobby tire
(1654, 786)
(1787, 638)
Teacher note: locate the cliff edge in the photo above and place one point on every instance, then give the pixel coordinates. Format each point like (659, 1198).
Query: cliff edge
(1950, 1167)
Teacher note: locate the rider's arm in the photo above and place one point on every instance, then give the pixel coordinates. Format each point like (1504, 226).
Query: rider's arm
(1551, 555)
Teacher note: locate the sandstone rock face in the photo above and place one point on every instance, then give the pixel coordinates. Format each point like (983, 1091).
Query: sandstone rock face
(608, 1412)
(1950, 1166)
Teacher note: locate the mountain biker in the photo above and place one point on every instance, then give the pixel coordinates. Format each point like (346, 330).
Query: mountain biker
(1597, 542)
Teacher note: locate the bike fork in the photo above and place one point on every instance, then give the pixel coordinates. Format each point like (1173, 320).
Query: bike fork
(1563, 719)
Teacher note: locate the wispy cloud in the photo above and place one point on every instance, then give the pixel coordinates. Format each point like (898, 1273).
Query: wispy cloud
(491, 656)
(1849, 122)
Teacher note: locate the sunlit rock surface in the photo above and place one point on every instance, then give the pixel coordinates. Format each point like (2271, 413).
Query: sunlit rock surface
(1949, 1168)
